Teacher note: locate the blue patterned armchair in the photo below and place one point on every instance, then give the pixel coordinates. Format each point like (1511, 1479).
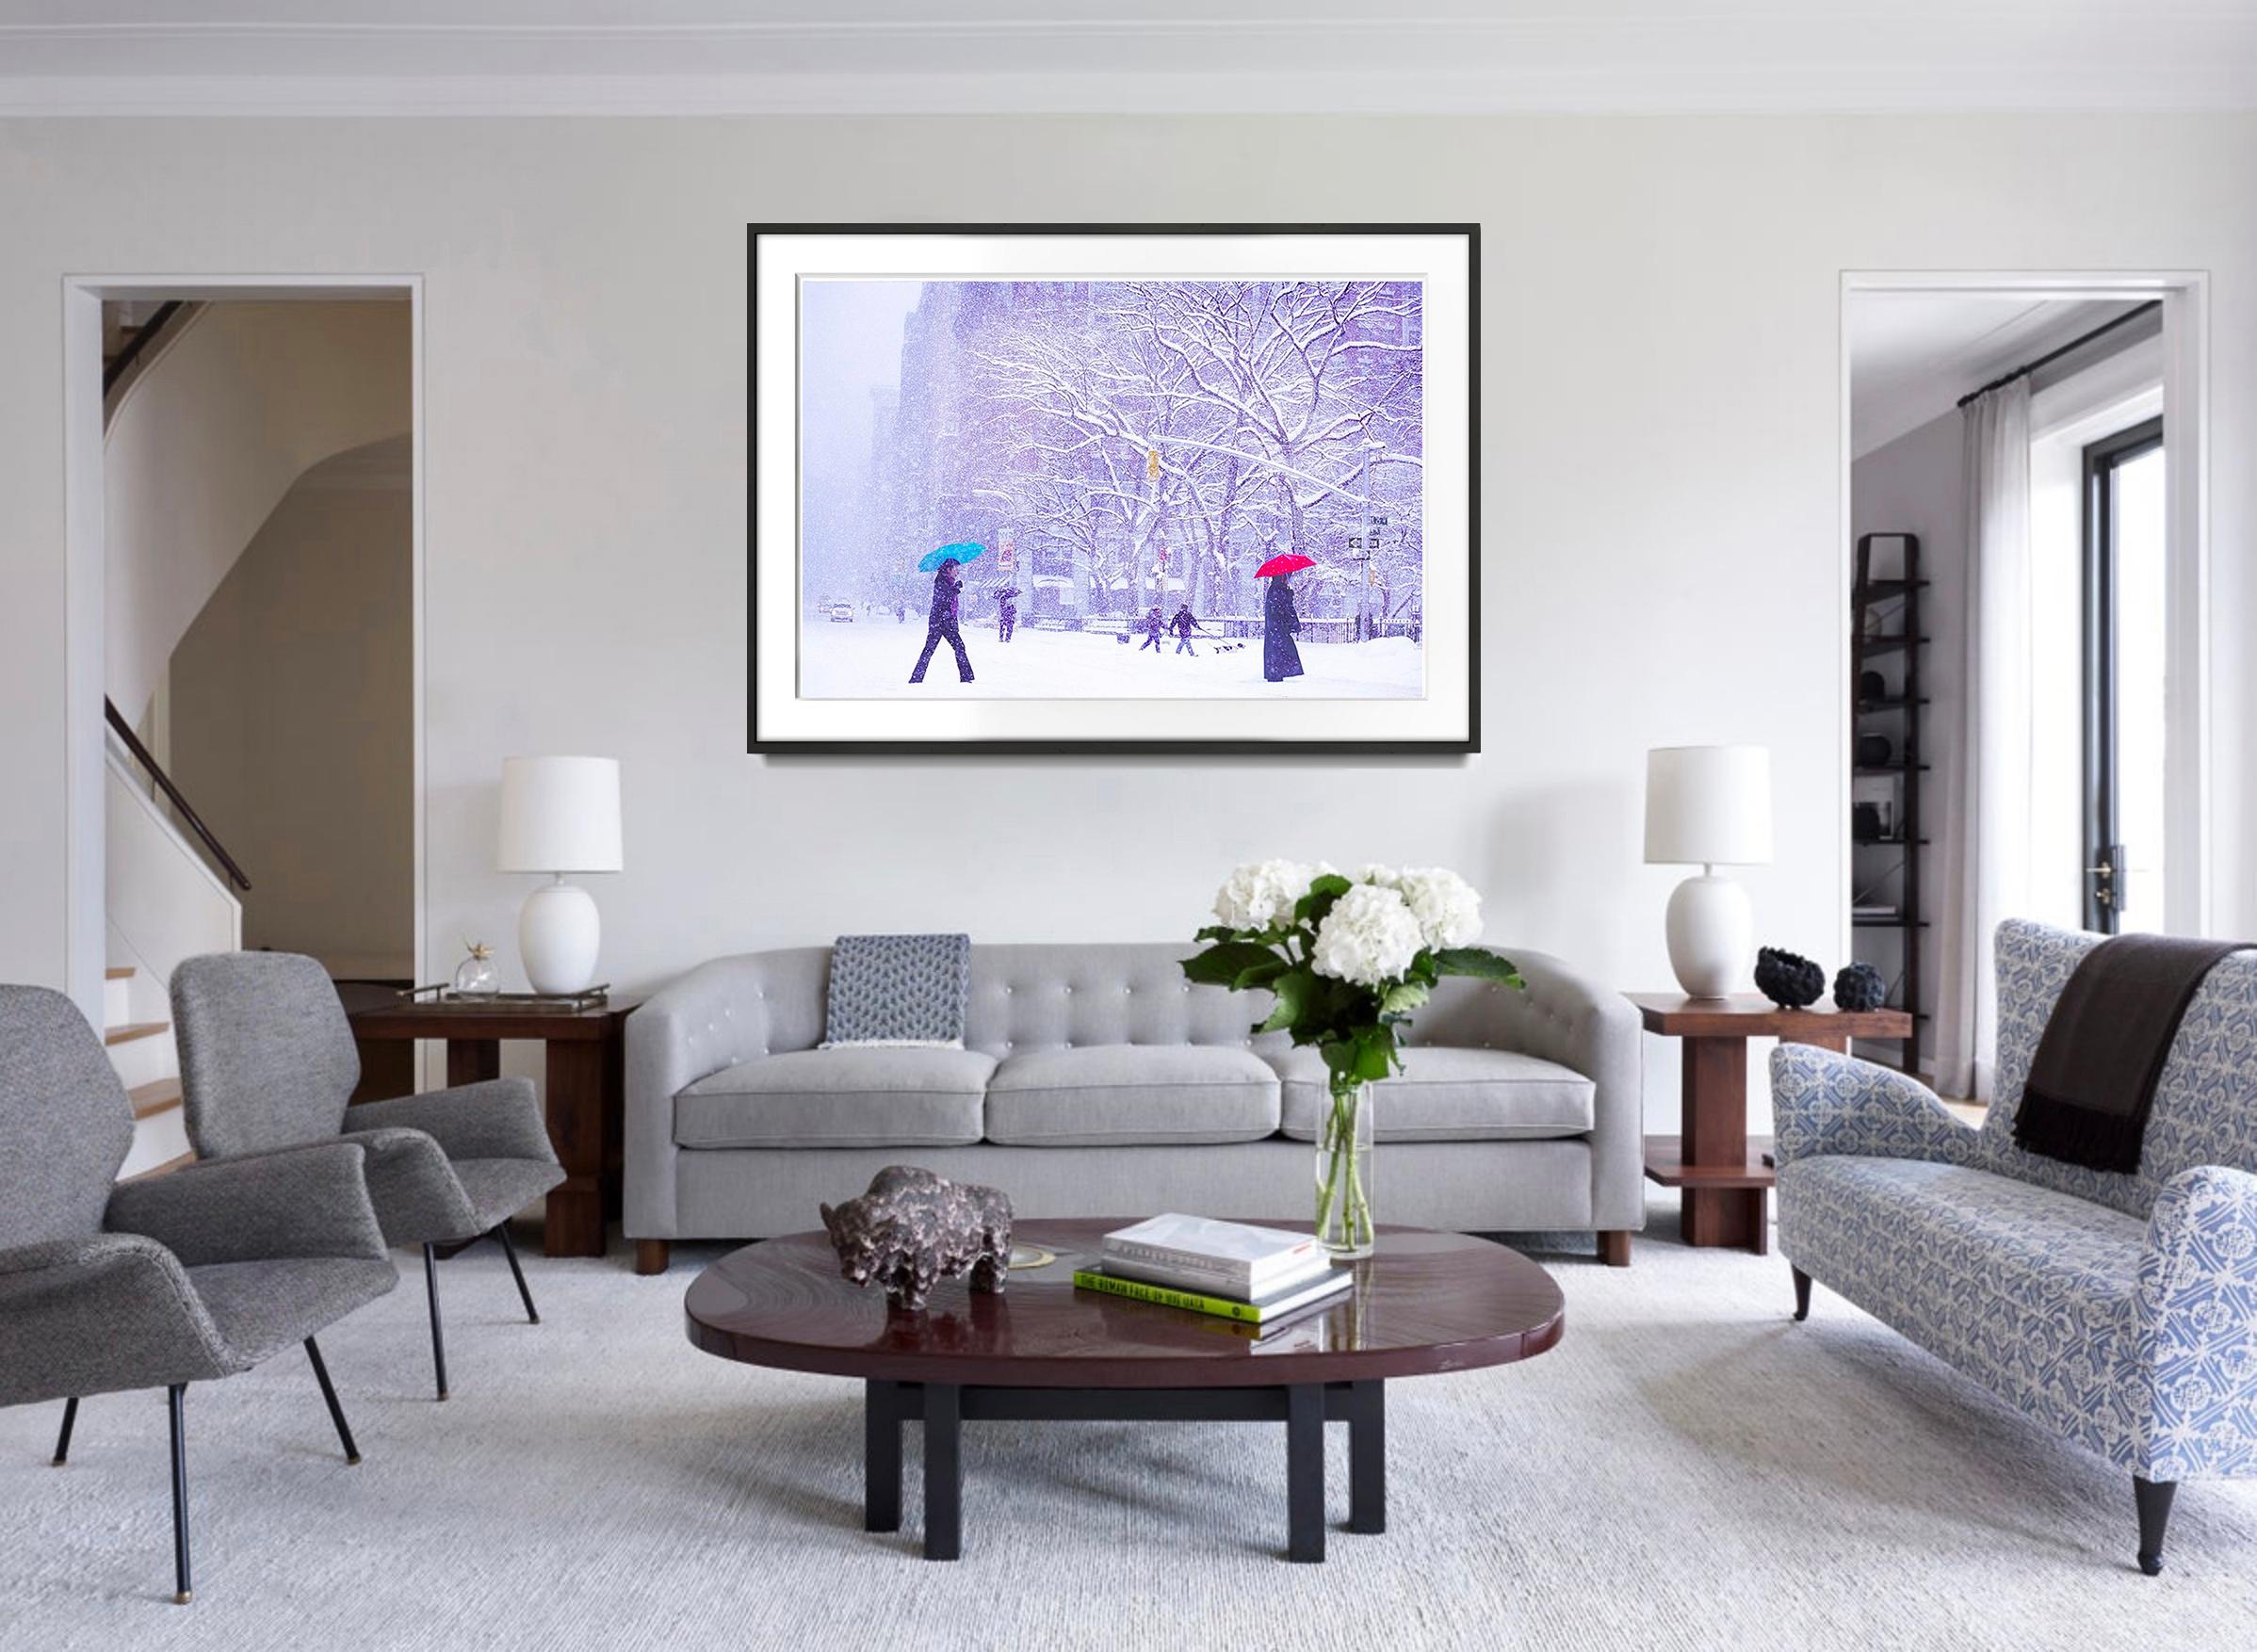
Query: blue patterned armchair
(2119, 1311)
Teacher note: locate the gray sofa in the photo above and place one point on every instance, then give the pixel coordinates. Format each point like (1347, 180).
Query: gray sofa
(1096, 1081)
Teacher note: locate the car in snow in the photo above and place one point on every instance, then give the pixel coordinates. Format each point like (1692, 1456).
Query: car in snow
(841, 612)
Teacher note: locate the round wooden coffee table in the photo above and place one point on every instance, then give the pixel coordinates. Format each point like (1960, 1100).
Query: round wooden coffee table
(1427, 1301)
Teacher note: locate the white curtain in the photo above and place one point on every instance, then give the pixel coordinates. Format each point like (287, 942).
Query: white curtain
(1985, 827)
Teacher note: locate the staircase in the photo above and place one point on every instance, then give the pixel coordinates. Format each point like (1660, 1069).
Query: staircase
(141, 1049)
(171, 892)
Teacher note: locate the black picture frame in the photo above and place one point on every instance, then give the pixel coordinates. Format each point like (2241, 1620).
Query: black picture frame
(756, 745)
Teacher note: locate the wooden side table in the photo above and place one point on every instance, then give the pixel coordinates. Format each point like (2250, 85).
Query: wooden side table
(585, 1095)
(1725, 1179)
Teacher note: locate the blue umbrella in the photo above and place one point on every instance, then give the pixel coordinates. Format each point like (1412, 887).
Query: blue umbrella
(962, 553)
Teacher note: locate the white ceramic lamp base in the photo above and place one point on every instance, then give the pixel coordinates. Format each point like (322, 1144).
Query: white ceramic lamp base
(1711, 935)
(558, 935)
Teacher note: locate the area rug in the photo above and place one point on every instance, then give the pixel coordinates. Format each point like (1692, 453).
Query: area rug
(1687, 1470)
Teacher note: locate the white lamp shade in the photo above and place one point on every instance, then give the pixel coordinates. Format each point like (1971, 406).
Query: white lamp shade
(559, 815)
(1708, 806)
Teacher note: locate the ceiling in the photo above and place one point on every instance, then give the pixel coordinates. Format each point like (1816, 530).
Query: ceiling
(1912, 355)
(108, 57)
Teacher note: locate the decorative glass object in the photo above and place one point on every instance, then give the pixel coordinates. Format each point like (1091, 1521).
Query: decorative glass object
(475, 977)
(1344, 1170)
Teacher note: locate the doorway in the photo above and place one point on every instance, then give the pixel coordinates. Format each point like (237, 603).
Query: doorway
(316, 577)
(2036, 444)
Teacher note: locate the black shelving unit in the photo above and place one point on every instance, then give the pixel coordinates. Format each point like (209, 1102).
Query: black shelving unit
(1885, 635)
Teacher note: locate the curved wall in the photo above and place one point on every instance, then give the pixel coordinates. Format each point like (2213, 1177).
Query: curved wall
(208, 438)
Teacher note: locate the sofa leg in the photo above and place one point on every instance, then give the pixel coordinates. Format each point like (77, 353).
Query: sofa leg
(1614, 1246)
(1802, 1295)
(2154, 1498)
(652, 1255)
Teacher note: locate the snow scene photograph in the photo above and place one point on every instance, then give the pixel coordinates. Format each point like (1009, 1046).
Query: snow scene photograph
(1121, 490)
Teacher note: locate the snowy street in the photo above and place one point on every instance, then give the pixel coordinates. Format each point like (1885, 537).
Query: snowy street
(871, 659)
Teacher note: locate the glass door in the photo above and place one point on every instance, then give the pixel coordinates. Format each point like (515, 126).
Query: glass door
(2123, 680)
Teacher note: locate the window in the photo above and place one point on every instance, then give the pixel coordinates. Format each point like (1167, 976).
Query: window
(2123, 680)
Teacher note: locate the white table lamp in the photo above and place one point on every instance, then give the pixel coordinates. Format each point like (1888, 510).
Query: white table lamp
(559, 815)
(1708, 806)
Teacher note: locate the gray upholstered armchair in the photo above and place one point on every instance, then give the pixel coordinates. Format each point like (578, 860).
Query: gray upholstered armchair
(206, 1272)
(268, 1062)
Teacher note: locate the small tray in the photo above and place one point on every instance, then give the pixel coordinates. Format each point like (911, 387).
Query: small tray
(446, 997)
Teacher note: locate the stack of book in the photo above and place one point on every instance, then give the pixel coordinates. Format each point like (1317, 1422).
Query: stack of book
(1256, 1275)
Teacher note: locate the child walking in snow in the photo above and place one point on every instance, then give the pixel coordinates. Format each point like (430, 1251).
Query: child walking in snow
(1184, 626)
(1154, 626)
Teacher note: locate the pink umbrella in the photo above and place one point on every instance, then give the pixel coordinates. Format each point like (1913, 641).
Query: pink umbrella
(1291, 562)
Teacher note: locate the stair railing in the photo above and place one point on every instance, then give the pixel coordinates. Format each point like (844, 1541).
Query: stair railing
(181, 806)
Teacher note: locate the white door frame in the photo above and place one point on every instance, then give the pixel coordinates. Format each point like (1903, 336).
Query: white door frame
(2186, 295)
(85, 945)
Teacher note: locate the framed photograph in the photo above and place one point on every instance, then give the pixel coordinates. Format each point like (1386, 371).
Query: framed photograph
(1134, 488)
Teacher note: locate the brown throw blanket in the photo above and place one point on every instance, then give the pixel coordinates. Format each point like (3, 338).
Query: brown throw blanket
(2092, 1081)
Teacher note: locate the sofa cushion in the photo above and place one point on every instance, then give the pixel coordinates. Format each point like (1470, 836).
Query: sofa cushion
(2025, 1289)
(1122, 1094)
(837, 1098)
(1446, 1095)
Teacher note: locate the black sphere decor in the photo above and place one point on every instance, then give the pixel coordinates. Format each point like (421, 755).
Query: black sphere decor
(1788, 979)
(1859, 986)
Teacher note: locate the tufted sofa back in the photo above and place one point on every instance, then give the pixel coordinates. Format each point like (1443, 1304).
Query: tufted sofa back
(1044, 997)
(2205, 1102)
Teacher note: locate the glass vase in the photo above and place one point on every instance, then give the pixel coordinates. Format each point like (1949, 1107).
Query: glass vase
(1344, 1225)
(475, 977)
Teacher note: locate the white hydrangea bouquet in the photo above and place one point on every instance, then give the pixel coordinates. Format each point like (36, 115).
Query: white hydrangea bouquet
(1346, 959)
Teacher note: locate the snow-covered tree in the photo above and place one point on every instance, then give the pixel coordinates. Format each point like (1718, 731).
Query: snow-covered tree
(1196, 425)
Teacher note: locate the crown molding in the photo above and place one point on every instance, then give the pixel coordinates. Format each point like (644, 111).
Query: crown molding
(1687, 57)
(1128, 93)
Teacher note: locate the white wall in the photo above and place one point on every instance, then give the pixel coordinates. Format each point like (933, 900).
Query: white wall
(1661, 469)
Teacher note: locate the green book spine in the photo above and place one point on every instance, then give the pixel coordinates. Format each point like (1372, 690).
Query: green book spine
(1167, 1296)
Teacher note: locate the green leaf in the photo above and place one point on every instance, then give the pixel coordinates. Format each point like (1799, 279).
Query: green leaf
(1219, 965)
(1478, 961)
(1294, 988)
(1260, 975)
(1374, 1054)
(1310, 909)
(1220, 932)
(1408, 995)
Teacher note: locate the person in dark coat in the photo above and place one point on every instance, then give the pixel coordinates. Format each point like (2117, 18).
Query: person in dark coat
(1154, 626)
(1007, 613)
(1183, 625)
(901, 613)
(940, 624)
(1280, 621)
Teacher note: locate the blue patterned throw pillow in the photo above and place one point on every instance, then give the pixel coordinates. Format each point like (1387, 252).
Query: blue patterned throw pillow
(899, 990)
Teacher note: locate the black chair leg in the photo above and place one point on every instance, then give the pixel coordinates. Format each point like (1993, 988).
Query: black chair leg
(509, 1249)
(2154, 1498)
(62, 1441)
(328, 1393)
(1802, 1295)
(431, 1286)
(180, 1495)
